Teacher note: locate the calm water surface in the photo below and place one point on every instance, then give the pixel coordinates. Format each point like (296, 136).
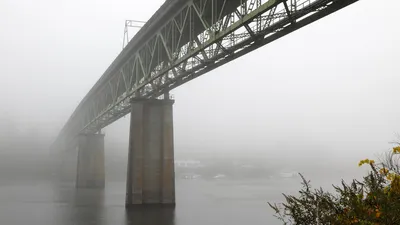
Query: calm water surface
(199, 202)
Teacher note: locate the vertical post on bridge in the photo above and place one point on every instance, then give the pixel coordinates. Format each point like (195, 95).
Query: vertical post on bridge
(150, 173)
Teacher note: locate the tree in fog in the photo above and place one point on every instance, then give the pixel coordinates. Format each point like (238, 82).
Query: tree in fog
(374, 200)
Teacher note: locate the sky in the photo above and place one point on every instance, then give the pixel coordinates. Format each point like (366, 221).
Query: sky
(328, 91)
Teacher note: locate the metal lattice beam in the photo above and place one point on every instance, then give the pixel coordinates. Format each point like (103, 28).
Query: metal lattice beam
(174, 48)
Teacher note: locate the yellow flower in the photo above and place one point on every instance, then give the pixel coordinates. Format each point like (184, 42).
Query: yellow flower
(384, 171)
(378, 214)
(390, 176)
(366, 161)
(362, 162)
(396, 150)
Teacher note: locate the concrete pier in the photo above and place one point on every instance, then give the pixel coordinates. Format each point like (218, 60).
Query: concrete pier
(67, 165)
(150, 173)
(90, 169)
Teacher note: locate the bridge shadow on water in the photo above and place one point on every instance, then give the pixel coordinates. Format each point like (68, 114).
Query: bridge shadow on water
(150, 215)
(79, 206)
(88, 206)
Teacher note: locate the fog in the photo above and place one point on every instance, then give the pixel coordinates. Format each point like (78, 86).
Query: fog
(315, 101)
(318, 99)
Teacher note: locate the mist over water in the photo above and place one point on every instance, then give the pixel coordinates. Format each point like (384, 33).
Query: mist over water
(315, 102)
(212, 189)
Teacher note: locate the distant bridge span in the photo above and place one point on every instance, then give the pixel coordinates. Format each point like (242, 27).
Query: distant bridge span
(183, 40)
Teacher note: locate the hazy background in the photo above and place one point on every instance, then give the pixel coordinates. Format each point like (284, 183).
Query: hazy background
(324, 95)
(316, 101)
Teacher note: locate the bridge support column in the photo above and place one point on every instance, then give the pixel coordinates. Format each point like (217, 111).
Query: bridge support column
(90, 172)
(150, 173)
(67, 165)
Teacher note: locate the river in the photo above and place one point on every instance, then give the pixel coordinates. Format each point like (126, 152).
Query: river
(198, 202)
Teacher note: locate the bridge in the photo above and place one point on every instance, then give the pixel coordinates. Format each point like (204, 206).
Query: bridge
(184, 39)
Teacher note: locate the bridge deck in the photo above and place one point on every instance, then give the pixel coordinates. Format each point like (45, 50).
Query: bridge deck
(164, 14)
(183, 40)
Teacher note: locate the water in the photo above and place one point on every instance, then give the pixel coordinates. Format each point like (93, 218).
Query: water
(198, 202)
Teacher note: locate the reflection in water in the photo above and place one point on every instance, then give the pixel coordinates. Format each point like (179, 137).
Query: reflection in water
(199, 202)
(87, 206)
(82, 206)
(150, 215)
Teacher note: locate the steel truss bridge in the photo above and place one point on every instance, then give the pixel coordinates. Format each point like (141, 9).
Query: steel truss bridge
(185, 39)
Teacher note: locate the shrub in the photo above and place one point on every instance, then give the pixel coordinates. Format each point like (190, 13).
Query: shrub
(373, 200)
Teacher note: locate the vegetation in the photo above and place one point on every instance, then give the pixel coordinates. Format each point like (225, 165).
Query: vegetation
(373, 200)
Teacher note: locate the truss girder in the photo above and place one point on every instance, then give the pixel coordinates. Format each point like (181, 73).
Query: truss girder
(200, 36)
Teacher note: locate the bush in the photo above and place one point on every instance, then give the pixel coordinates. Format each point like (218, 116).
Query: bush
(374, 200)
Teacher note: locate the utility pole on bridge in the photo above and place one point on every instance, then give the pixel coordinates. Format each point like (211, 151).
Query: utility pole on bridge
(130, 23)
